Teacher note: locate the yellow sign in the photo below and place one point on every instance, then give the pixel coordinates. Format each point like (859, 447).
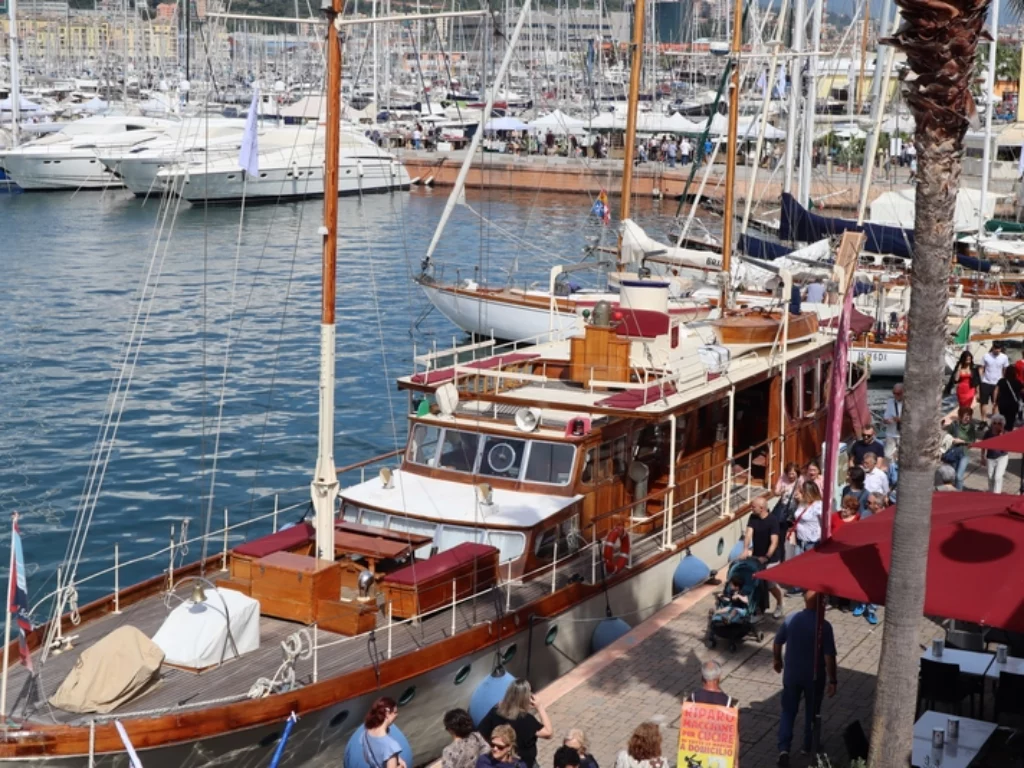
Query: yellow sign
(709, 736)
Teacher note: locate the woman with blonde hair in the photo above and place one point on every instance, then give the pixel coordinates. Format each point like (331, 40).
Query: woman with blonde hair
(502, 752)
(643, 750)
(516, 709)
(577, 739)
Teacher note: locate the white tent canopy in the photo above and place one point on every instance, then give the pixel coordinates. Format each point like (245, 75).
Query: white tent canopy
(505, 124)
(896, 208)
(559, 123)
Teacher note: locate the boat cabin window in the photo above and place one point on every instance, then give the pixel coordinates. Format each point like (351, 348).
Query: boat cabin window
(417, 527)
(423, 444)
(605, 461)
(544, 547)
(811, 388)
(449, 536)
(459, 450)
(549, 463)
(510, 544)
(513, 458)
(502, 457)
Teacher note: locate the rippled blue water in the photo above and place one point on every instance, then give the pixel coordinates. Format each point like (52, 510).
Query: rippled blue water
(72, 266)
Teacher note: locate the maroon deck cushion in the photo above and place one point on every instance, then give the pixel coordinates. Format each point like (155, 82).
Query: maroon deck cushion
(439, 564)
(277, 542)
(445, 374)
(632, 399)
(644, 323)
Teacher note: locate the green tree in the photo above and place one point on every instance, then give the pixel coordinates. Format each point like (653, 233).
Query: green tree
(940, 41)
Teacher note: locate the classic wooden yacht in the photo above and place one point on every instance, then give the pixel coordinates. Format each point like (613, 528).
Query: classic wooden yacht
(548, 497)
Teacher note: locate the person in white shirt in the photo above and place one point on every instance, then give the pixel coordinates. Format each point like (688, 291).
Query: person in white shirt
(893, 414)
(875, 479)
(993, 364)
(807, 530)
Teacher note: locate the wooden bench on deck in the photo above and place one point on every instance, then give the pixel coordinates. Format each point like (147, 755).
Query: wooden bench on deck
(426, 586)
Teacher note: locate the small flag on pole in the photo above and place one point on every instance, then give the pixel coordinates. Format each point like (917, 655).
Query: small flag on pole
(249, 154)
(963, 334)
(18, 598)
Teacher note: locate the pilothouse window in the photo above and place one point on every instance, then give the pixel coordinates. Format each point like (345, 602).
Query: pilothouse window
(502, 457)
(423, 445)
(550, 463)
(459, 449)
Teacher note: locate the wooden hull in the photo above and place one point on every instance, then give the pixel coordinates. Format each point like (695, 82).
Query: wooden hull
(763, 329)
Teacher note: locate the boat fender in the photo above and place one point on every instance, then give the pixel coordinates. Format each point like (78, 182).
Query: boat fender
(490, 691)
(615, 550)
(607, 632)
(690, 572)
(355, 755)
(736, 551)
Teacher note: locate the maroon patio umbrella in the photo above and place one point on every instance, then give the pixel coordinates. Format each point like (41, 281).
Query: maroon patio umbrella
(1008, 441)
(975, 560)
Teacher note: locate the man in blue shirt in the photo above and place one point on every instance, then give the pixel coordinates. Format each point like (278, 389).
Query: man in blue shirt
(796, 635)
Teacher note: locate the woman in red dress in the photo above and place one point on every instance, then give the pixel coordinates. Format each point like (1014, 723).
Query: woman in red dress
(965, 379)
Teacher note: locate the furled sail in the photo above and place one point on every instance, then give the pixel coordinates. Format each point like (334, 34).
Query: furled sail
(800, 224)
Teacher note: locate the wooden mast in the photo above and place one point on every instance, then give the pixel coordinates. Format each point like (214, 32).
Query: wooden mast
(325, 479)
(730, 147)
(635, 67)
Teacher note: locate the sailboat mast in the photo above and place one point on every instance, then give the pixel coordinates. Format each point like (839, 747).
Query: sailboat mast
(730, 147)
(990, 79)
(12, 25)
(325, 480)
(635, 68)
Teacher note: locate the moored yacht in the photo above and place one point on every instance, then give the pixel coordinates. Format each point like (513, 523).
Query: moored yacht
(291, 170)
(67, 159)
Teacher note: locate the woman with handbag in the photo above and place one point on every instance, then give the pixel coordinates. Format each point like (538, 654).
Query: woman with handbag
(806, 530)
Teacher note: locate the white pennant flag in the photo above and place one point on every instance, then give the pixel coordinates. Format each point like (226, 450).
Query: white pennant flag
(249, 154)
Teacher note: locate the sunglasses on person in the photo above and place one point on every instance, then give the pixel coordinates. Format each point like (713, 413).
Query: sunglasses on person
(866, 436)
(498, 745)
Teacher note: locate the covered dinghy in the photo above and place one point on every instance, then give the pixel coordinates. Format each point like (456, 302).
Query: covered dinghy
(111, 672)
(195, 635)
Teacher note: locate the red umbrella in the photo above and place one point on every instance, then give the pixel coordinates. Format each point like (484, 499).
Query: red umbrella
(974, 560)
(1008, 441)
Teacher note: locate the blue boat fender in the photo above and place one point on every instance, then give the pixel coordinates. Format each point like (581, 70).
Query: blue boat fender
(490, 691)
(736, 551)
(607, 632)
(690, 572)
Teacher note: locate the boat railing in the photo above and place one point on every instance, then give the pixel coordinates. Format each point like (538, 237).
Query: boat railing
(445, 357)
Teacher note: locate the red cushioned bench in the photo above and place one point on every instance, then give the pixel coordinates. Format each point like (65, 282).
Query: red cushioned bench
(298, 539)
(442, 375)
(425, 586)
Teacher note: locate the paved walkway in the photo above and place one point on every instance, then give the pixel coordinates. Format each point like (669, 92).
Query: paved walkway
(647, 674)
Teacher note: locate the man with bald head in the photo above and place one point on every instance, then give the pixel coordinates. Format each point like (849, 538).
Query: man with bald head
(762, 541)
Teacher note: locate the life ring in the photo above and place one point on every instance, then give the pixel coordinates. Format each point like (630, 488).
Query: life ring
(616, 550)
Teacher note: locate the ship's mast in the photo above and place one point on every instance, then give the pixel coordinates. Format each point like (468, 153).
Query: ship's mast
(730, 146)
(325, 480)
(12, 25)
(635, 67)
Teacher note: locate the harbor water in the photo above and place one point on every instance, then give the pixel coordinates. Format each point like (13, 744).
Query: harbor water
(235, 291)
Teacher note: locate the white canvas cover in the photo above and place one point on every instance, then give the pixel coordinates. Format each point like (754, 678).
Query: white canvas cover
(636, 244)
(195, 635)
(896, 208)
(109, 673)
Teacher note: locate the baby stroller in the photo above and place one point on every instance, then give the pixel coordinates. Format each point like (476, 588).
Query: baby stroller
(739, 607)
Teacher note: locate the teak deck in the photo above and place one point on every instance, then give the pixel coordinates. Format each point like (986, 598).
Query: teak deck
(178, 688)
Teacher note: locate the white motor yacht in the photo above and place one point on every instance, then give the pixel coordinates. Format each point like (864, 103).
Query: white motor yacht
(192, 141)
(291, 172)
(67, 159)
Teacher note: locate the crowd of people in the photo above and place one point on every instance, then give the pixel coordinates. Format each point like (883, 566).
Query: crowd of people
(994, 388)
(508, 734)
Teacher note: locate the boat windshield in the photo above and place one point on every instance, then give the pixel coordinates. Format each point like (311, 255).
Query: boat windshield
(512, 458)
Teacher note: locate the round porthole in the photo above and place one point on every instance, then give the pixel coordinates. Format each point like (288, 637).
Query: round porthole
(721, 545)
(338, 719)
(270, 739)
(551, 636)
(509, 653)
(462, 674)
(407, 695)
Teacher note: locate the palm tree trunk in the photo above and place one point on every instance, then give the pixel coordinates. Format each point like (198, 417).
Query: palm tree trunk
(940, 41)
